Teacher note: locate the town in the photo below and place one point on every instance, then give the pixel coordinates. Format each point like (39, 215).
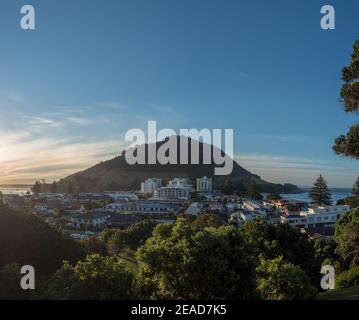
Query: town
(85, 215)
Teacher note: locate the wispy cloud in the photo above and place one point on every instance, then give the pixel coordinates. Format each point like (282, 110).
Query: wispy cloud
(80, 121)
(24, 158)
(40, 122)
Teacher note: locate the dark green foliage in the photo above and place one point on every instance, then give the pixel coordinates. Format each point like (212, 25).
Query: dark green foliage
(253, 191)
(348, 278)
(281, 280)
(54, 187)
(95, 246)
(273, 196)
(347, 237)
(183, 261)
(36, 188)
(348, 144)
(106, 234)
(355, 190)
(69, 188)
(27, 240)
(325, 253)
(10, 288)
(325, 249)
(132, 237)
(208, 220)
(272, 241)
(96, 278)
(353, 202)
(228, 186)
(320, 194)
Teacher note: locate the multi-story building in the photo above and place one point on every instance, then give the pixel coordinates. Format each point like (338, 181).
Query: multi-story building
(204, 185)
(121, 195)
(295, 220)
(315, 217)
(142, 207)
(94, 220)
(176, 189)
(180, 183)
(151, 185)
(256, 207)
(319, 217)
(173, 193)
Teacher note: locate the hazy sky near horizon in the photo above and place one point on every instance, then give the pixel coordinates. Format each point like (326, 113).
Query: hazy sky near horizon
(94, 69)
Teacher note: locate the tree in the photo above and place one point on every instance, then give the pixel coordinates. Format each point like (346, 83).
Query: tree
(36, 188)
(272, 241)
(69, 188)
(183, 261)
(347, 237)
(273, 196)
(281, 280)
(253, 192)
(54, 187)
(96, 278)
(348, 278)
(28, 240)
(209, 220)
(95, 246)
(348, 145)
(132, 237)
(228, 186)
(355, 190)
(10, 278)
(320, 193)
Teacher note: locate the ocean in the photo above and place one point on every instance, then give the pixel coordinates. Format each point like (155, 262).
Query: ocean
(20, 190)
(337, 193)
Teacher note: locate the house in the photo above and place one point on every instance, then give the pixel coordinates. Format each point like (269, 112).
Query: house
(323, 216)
(175, 189)
(204, 185)
(149, 207)
(122, 221)
(247, 215)
(90, 220)
(294, 220)
(256, 207)
(121, 196)
(173, 193)
(194, 209)
(151, 185)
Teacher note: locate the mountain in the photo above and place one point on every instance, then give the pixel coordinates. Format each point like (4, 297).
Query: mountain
(117, 174)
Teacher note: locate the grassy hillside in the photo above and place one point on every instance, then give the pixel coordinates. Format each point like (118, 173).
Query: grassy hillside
(341, 294)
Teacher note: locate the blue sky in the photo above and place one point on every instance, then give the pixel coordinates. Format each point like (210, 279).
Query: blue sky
(94, 69)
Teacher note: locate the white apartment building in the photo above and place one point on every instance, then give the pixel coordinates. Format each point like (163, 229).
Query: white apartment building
(176, 189)
(151, 185)
(173, 193)
(323, 216)
(122, 195)
(256, 207)
(204, 185)
(180, 183)
(295, 220)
